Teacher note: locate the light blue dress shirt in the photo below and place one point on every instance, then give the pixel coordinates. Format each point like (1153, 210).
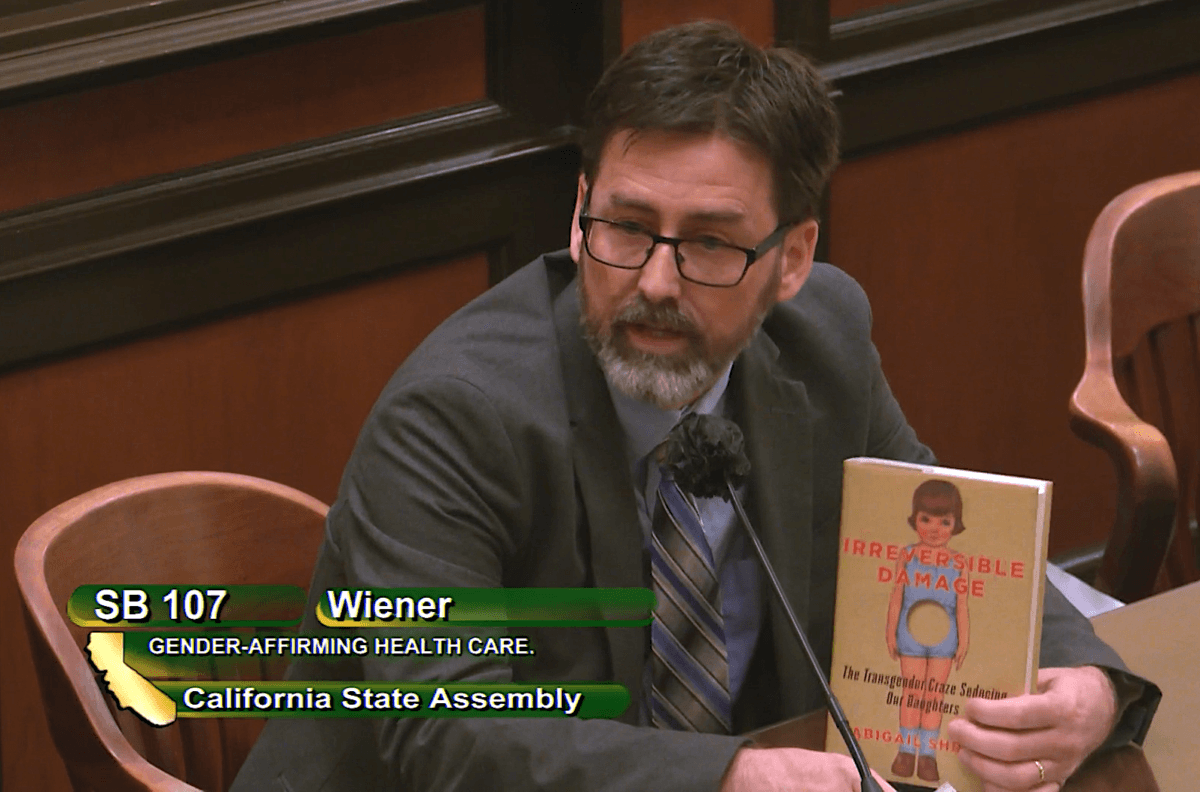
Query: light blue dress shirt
(645, 427)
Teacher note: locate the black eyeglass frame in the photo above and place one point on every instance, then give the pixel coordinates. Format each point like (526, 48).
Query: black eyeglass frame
(752, 254)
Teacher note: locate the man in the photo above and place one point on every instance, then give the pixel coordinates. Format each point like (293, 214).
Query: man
(516, 447)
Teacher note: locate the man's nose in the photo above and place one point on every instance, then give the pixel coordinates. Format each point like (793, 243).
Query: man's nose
(659, 278)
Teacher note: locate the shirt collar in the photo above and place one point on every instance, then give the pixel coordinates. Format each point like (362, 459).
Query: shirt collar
(646, 425)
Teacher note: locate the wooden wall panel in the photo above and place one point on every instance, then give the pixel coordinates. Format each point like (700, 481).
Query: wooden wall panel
(280, 393)
(845, 8)
(73, 143)
(22, 6)
(755, 18)
(970, 246)
(839, 9)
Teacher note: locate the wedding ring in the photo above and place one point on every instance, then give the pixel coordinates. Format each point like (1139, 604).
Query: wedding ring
(1041, 771)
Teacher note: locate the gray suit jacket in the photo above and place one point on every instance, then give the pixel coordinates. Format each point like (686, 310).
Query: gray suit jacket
(494, 458)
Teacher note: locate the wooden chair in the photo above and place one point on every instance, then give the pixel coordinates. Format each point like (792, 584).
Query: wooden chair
(1139, 398)
(183, 528)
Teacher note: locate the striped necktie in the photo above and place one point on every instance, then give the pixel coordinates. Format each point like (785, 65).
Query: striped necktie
(689, 668)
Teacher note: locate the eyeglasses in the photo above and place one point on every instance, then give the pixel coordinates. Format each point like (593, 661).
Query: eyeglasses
(706, 261)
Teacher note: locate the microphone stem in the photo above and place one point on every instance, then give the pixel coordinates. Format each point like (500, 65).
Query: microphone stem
(835, 709)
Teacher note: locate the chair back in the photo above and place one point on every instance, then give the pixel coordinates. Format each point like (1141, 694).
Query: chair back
(1139, 397)
(177, 528)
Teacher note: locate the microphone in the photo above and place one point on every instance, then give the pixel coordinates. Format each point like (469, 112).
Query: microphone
(707, 458)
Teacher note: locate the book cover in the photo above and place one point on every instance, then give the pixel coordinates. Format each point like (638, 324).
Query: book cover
(941, 576)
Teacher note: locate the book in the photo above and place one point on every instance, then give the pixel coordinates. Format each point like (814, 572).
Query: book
(941, 577)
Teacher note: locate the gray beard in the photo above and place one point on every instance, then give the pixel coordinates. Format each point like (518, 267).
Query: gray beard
(667, 382)
(650, 378)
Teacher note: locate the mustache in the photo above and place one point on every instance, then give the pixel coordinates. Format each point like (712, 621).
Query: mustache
(660, 316)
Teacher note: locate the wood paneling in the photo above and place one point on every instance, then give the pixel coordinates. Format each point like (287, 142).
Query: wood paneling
(236, 236)
(280, 393)
(182, 246)
(73, 46)
(845, 8)
(932, 67)
(970, 246)
(755, 18)
(73, 143)
(23, 6)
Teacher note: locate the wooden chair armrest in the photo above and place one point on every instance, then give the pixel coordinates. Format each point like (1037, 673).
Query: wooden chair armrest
(1147, 485)
(68, 684)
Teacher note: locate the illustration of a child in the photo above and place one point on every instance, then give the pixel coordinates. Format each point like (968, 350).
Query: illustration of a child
(927, 575)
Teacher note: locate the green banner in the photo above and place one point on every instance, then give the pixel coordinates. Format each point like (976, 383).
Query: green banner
(319, 699)
(186, 606)
(476, 607)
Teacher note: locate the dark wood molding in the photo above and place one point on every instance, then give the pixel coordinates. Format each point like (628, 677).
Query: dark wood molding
(513, 202)
(95, 42)
(75, 231)
(891, 26)
(611, 34)
(944, 27)
(804, 26)
(547, 56)
(928, 68)
(497, 175)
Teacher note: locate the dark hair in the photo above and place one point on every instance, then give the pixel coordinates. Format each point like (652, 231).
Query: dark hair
(706, 77)
(938, 497)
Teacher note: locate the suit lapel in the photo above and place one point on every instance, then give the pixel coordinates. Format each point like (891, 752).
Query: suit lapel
(611, 526)
(774, 414)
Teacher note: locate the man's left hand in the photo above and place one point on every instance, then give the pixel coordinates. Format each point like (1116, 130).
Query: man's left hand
(1036, 742)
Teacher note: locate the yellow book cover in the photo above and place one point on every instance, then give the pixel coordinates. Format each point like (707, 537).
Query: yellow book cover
(941, 575)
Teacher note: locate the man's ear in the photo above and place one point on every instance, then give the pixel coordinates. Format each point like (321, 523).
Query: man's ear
(798, 248)
(576, 232)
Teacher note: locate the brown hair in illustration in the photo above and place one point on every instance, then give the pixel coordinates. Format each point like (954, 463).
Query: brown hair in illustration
(938, 497)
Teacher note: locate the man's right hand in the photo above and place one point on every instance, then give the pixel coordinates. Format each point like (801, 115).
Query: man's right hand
(784, 769)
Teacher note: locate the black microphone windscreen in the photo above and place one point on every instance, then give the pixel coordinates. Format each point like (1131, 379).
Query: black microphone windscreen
(705, 451)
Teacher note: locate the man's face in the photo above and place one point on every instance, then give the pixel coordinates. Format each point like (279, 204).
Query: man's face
(659, 337)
